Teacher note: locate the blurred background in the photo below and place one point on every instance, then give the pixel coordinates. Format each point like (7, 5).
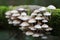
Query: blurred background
(5, 27)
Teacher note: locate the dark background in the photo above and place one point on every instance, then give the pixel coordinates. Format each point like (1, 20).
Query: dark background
(31, 2)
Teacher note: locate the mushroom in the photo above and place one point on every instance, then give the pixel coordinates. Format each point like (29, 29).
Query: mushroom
(29, 33)
(38, 18)
(14, 11)
(23, 14)
(39, 14)
(7, 16)
(38, 26)
(32, 28)
(10, 22)
(21, 9)
(24, 24)
(33, 14)
(36, 11)
(36, 35)
(48, 29)
(44, 26)
(31, 21)
(44, 37)
(21, 28)
(15, 14)
(44, 21)
(51, 7)
(15, 22)
(42, 9)
(8, 13)
(47, 14)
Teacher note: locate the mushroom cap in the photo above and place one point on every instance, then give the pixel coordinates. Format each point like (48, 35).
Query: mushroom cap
(38, 18)
(39, 14)
(24, 24)
(14, 11)
(42, 8)
(33, 14)
(10, 22)
(21, 28)
(32, 28)
(45, 26)
(47, 14)
(8, 13)
(16, 22)
(7, 16)
(36, 35)
(24, 18)
(23, 14)
(31, 21)
(36, 11)
(29, 33)
(21, 9)
(51, 7)
(44, 21)
(44, 37)
(15, 14)
(48, 29)
(38, 26)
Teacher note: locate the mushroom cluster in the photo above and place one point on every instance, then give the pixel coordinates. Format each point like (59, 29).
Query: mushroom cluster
(35, 24)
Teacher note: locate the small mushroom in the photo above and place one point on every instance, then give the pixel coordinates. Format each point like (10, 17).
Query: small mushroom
(48, 29)
(38, 18)
(15, 22)
(10, 22)
(23, 14)
(51, 7)
(36, 35)
(44, 21)
(39, 14)
(31, 21)
(8, 13)
(14, 11)
(32, 28)
(47, 14)
(45, 26)
(42, 9)
(15, 14)
(29, 33)
(38, 26)
(33, 14)
(24, 24)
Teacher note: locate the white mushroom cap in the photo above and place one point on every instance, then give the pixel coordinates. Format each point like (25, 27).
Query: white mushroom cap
(29, 33)
(23, 14)
(38, 26)
(45, 26)
(24, 24)
(39, 14)
(44, 37)
(38, 18)
(21, 9)
(16, 14)
(16, 22)
(33, 14)
(51, 7)
(12, 18)
(36, 11)
(32, 21)
(7, 16)
(47, 14)
(42, 9)
(48, 29)
(10, 22)
(14, 11)
(36, 35)
(22, 28)
(8, 13)
(44, 21)
(32, 28)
